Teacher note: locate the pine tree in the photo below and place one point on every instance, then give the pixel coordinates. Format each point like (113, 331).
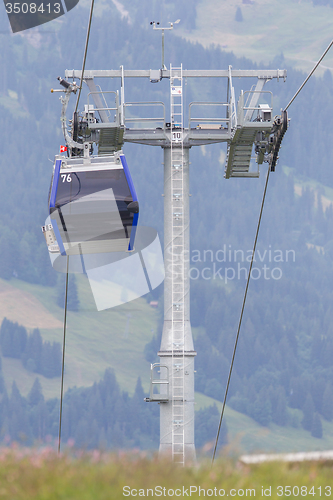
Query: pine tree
(46, 368)
(297, 392)
(94, 432)
(81, 435)
(2, 384)
(327, 408)
(95, 406)
(262, 408)
(239, 15)
(56, 359)
(139, 393)
(19, 341)
(317, 428)
(6, 331)
(19, 428)
(38, 420)
(308, 413)
(35, 395)
(61, 290)
(318, 386)
(206, 422)
(102, 441)
(117, 436)
(31, 359)
(73, 302)
(13, 339)
(280, 414)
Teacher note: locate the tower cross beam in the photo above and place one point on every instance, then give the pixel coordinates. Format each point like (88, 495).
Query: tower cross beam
(187, 73)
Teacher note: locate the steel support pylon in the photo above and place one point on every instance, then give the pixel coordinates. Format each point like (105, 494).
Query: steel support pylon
(177, 352)
(176, 369)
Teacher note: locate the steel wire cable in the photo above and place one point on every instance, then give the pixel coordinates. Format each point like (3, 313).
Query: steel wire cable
(67, 265)
(252, 257)
(241, 314)
(85, 53)
(63, 356)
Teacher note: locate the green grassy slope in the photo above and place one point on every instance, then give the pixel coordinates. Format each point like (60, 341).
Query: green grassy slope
(295, 28)
(303, 182)
(245, 435)
(95, 341)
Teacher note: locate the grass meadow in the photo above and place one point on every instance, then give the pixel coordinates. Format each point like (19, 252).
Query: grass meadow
(31, 474)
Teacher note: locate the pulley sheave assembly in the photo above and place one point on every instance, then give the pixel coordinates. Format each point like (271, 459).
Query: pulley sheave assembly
(255, 130)
(280, 128)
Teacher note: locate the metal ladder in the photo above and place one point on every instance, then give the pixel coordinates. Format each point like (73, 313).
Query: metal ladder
(178, 265)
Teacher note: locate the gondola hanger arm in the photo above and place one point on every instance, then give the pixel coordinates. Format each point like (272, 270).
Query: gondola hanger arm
(64, 101)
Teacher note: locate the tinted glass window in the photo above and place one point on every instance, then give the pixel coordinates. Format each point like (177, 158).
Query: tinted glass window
(74, 185)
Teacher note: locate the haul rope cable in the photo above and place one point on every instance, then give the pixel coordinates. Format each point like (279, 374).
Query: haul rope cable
(85, 53)
(242, 311)
(66, 286)
(252, 258)
(63, 355)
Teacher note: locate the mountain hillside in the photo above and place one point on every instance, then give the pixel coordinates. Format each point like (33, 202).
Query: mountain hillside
(261, 30)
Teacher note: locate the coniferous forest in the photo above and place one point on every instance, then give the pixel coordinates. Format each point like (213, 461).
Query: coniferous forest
(284, 357)
(36, 356)
(101, 416)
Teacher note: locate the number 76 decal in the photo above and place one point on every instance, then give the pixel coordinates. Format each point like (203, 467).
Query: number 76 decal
(66, 177)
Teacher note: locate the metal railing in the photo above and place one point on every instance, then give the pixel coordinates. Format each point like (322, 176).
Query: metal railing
(106, 109)
(215, 122)
(254, 107)
(161, 383)
(141, 122)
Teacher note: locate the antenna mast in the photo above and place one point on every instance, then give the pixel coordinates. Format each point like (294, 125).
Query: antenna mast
(156, 26)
